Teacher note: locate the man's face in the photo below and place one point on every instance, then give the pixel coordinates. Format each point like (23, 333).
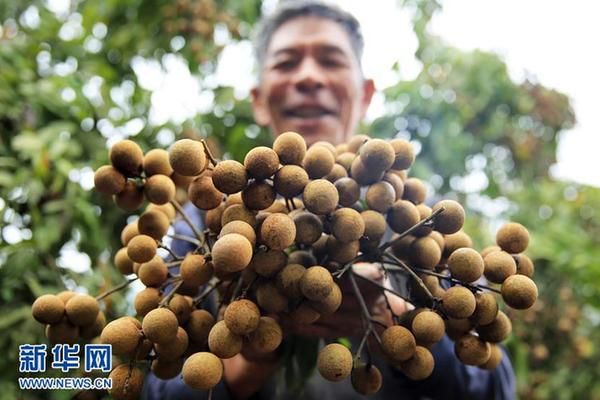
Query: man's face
(311, 82)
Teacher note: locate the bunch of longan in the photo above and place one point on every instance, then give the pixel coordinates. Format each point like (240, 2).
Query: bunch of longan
(283, 229)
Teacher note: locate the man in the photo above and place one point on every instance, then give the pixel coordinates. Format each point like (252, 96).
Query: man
(311, 82)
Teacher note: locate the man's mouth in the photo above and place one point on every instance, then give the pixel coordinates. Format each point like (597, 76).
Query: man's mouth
(307, 112)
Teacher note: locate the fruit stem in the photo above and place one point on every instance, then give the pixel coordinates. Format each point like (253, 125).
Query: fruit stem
(412, 273)
(116, 288)
(198, 300)
(169, 296)
(208, 153)
(162, 246)
(363, 305)
(187, 219)
(472, 287)
(185, 238)
(434, 214)
(383, 288)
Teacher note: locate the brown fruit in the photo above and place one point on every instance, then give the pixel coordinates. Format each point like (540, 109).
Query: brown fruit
(154, 272)
(154, 224)
(495, 358)
(129, 232)
(48, 309)
(362, 174)
(195, 271)
(486, 309)
(308, 227)
(497, 331)
(222, 342)
(261, 162)
(109, 180)
(513, 238)
(318, 161)
(302, 257)
(347, 225)
(404, 154)
(366, 379)
(316, 283)
(241, 227)
(160, 325)
(465, 264)
(278, 231)
(231, 253)
(377, 154)
(499, 265)
(130, 198)
(146, 301)
(230, 177)
(341, 252)
(290, 180)
(304, 314)
(270, 299)
(428, 327)
(334, 362)
(356, 142)
(156, 161)
(127, 382)
(451, 219)
(268, 263)
(123, 335)
(242, 316)
(398, 343)
(174, 349)
(166, 369)
(187, 157)
(348, 191)
(455, 328)
(288, 281)
(127, 157)
(330, 303)
(402, 215)
(290, 147)
(396, 183)
(141, 248)
(420, 366)
(159, 189)
(259, 195)
(266, 337)
(414, 190)
(199, 325)
(203, 194)
(337, 172)
(89, 332)
(424, 213)
(374, 225)
(519, 292)
(345, 160)
(320, 197)
(459, 302)
(181, 306)
(456, 241)
(524, 265)
(166, 209)
(213, 218)
(238, 212)
(82, 309)
(202, 371)
(471, 350)
(491, 249)
(425, 253)
(380, 196)
(62, 332)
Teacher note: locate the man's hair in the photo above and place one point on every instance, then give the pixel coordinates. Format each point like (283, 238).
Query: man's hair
(288, 10)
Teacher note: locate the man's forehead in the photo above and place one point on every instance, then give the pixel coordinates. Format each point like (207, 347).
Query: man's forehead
(321, 33)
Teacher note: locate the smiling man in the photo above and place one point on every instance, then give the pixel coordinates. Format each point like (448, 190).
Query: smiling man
(311, 81)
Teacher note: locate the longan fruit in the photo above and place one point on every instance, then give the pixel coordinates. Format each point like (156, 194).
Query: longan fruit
(316, 283)
(424, 213)
(309, 227)
(290, 180)
(82, 309)
(524, 265)
(268, 263)
(288, 280)
(302, 257)
(259, 195)
(123, 335)
(182, 182)
(486, 309)
(425, 253)
(156, 161)
(199, 325)
(345, 160)
(304, 314)
(122, 262)
(499, 265)
(261, 162)
(241, 227)
(348, 191)
(89, 332)
(320, 197)
(401, 247)
(513, 238)
(130, 198)
(146, 300)
(266, 337)
(129, 232)
(154, 272)
(334, 362)
(232, 199)
(65, 295)
(238, 212)
(318, 161)
(337, 172)
(202, 371)
(127, 157)
(396, 182)
(181, 306)
(242, 316)
(109, 180)
(278, 231)
(415, 191)
(195, 271)
(159, 189)
(362, 174)
(166, 209)
(230, 177)
(356, 142)
(439, 239)
(222, 342)
(203, 194)
(278, 206)
(127, 382)
(187, 157)
(141, 248)
(497, 331)
(231, 253)
(495, 358)
(472, 350)
(290, 147)
(375, 225)
(428, 327)
(455, 241)
(163, 369)
(402, 215)
(459, 302)
(212, 218)
(380, 196)
(341, 252)
(347, 225)
(366, 379)
(62, 332)
(377, 154)
(519, 292)
(455, 328)
(270, 298)
(48, 309)
(332, 149)
(160, 325)
(154, 224)
(398, 343)
(451, 219)
(466, 264)
(420, 365)
(404, 155)
(319, 248)
(174, 349)
(330, 303)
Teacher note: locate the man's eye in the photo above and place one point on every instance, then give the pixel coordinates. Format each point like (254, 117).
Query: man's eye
(284, 64)
(331, 62)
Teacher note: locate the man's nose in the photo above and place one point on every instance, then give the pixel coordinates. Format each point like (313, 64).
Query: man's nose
(309, 76)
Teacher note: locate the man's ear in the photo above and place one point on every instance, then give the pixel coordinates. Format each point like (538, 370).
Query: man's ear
(368, 92)
(260, 109)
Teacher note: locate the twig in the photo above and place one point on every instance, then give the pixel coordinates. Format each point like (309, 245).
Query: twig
(208, 153)
(198, 300)
(340, 272)
(412, 273)
(188, 220)
(162, 246)
(473, 287)
(168, 297)
(245, 290)
(434, 214)
(362, 344)
(185, 238)
(174, 263)
(116, 288)
(380, 286)
(363, 306)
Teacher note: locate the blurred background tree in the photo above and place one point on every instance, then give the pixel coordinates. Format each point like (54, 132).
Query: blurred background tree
(71, 85)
